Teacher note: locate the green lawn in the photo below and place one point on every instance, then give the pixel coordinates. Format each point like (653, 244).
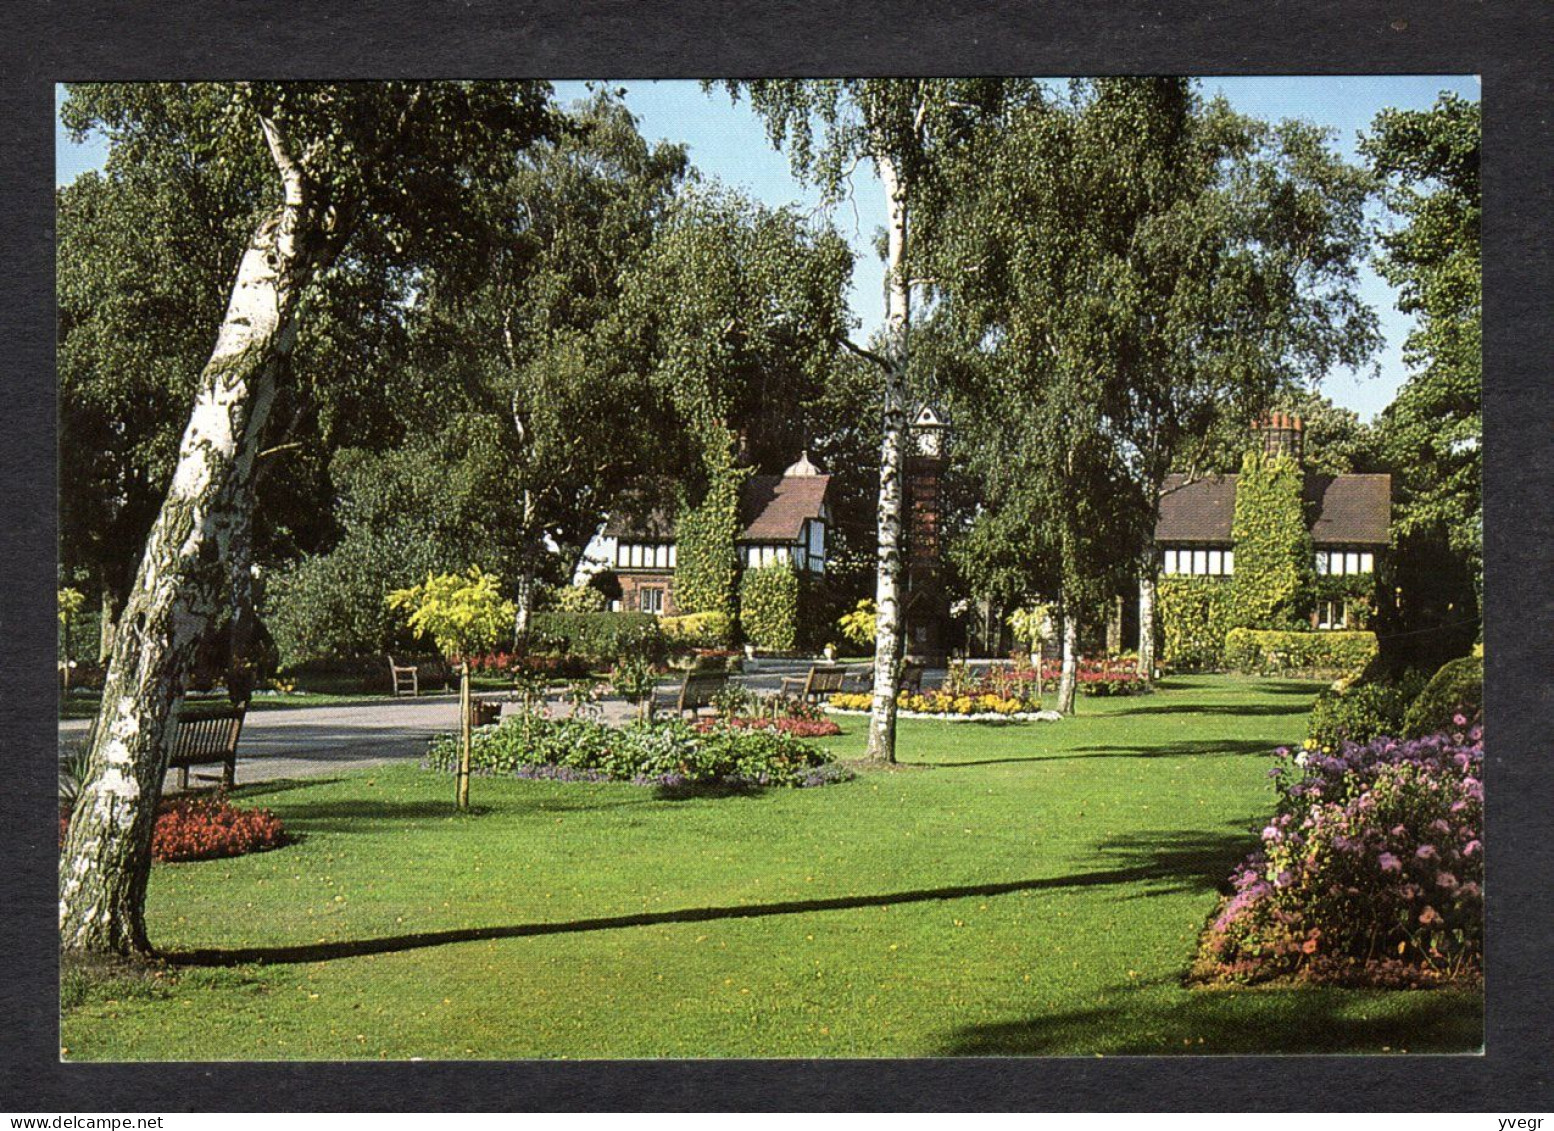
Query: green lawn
(1016, 889)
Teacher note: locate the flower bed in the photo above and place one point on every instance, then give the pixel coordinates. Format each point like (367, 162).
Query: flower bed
(207, 829)
(1370, 872)
(1099, 677)
(797, 727)
(946, 707)
(674, 753)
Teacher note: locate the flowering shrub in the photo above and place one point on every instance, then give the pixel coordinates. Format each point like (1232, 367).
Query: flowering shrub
(1369, 873)
(674, 753)
(207, 828)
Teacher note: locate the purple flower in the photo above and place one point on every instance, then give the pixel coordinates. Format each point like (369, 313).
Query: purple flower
(1445, 880)
(1389, 862)
(1426, 852)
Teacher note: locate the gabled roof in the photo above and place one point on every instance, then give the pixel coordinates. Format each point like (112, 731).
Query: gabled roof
(1348, 509)
(773, 507)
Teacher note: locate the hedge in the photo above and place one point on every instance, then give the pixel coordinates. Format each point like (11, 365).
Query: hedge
(599, 636)
(699, 630)
(1192, 612)
(1457, 688)
(1268, 652)
(769, 606)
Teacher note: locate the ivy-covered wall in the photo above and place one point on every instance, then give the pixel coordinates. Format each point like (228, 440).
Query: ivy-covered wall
(1192, 612)
(769, 606)
(707, 569)
(1275, 570)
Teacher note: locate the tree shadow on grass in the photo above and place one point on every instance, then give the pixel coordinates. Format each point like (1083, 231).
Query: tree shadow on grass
(1169, 862)
(1234, 710)
(361, 815)
(1239, 1021)
(1190, 748)
(278, 785)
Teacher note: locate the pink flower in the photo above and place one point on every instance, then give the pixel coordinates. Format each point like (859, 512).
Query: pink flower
(1445, 880)
(1429, 917)
(1389, 862)
(1426, 852)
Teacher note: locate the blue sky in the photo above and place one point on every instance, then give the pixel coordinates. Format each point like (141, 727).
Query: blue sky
(727, 142)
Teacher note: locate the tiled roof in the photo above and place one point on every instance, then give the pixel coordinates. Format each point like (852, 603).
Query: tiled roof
(1348, 509)
(772, 509)
(1198, 510)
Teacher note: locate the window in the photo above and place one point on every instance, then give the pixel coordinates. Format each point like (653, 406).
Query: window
(651, 600)
(1230, 562)
(1200, 562)
(1367, 562)
(1352, 562)
(1216, 562)
(1323, 566)
(672, 556)
(1168, 562)
(1332, 614)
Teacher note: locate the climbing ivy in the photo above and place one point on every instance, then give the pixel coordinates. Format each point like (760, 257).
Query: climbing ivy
(1193, 615)
(1275, 574)
(705, 535)
(769, 606)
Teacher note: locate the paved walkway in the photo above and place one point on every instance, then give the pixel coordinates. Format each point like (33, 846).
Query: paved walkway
(289, 742)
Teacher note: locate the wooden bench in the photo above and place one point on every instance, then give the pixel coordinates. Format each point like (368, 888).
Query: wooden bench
(204, 739)
(208, 738)
(406, 678)
(697, 690)
(822, 681)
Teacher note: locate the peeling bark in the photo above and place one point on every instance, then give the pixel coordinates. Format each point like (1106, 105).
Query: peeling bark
(889, 633)
(106, 858)
(1147, 620)
(1068, 679)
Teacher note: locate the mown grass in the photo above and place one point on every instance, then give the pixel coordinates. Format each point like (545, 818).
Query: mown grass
(1015, 889)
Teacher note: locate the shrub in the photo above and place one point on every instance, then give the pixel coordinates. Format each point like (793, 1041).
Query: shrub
(769, 606)
(211, 828)
(1358, 714)
(698, 630)
(1371, 871)
(332, 605)
(1456, 689)
(579, 599)
(598, 636)
(1267, 652)
(1193, 621)
(860, 625)
(674, 753)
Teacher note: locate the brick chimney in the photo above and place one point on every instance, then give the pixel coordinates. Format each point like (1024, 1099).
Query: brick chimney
(1283, 434)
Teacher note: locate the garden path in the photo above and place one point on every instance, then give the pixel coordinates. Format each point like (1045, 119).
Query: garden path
(318, 741)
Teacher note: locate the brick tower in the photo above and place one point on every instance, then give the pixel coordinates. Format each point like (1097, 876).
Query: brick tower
(927, 611)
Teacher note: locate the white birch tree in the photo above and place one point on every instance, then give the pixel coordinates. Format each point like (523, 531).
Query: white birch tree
(344, 156)
(900, 127)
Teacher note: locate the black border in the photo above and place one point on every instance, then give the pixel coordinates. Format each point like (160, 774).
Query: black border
(1508, 42)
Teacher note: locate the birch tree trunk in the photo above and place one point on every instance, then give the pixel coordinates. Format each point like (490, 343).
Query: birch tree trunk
(1069, 676)
(106, 858)
(888, 635)
(524, 603)
(108, 620)
(1147, 619)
